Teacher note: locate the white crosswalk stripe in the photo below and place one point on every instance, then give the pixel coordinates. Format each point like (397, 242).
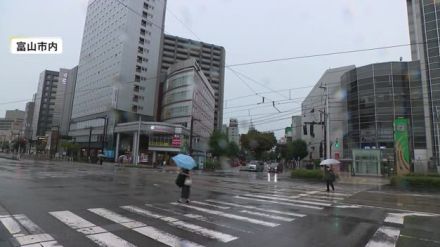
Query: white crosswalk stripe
(209, 204)
(289, 200)
(228, 215)
(279, 202)
(199, 218)
(223, 237)
(95, 233)
(271, 216)
(148, 231)
(26, 232)
(256, 208)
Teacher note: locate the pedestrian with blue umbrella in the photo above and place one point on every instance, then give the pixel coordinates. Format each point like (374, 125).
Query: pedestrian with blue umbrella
(183, 180)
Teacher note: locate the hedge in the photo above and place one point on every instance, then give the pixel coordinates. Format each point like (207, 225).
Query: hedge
(305, 173)
(416, 181)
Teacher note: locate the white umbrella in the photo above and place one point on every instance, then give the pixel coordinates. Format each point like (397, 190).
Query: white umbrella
(329, 162)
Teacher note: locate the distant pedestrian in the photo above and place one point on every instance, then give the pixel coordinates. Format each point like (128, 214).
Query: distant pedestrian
(329, 177)
(183, 180)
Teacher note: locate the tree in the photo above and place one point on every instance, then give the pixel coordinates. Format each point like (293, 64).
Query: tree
(233, 149)
(258, 142)
(295, 149)
(218, 144)
(70, 147)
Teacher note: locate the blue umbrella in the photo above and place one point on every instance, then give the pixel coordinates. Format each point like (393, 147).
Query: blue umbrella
(184, 161)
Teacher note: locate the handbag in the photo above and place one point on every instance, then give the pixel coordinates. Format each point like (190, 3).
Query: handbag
(180, 180)
(188, 182)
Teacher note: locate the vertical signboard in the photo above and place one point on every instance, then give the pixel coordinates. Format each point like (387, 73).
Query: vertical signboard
(401, 146)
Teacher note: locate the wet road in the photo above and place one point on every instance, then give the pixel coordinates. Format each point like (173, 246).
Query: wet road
(60, 204)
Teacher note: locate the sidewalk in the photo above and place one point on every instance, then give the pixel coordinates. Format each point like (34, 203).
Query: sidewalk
(347, 178)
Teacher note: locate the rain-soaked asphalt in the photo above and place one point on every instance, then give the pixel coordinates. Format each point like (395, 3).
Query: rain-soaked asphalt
(61, 204)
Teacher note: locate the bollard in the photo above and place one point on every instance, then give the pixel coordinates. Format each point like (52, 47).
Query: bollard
(268, 177)
(275, 177)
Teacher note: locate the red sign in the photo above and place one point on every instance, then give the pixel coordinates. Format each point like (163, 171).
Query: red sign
(176, 141)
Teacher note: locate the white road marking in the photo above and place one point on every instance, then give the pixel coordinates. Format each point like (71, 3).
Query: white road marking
(148, 231)
(11, 225)
(281, 203)
(398, 218)
(196, 216)
(30, 226)
(223, 237)
(97, 234)
(27, 233)
(209, 204)
(271, 216)
(33, 239)
(45, 244)
(257, 208)
(200, 218)
(228, 215)
(348, 206)
(289, 200)
(378, 240)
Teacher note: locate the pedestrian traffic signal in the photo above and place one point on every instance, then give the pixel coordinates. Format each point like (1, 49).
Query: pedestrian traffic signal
(337, 143)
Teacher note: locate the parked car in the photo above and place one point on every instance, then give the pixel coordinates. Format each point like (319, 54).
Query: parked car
(255, 165)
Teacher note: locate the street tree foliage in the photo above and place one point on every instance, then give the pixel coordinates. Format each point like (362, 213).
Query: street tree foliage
(70, 147)
(258, 142)
(293, 150)
(233, 149)
(220, 146)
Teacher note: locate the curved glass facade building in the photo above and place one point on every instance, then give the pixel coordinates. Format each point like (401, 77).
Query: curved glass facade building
(377, 95)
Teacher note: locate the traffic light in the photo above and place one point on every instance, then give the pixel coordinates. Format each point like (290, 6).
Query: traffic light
(337, 143)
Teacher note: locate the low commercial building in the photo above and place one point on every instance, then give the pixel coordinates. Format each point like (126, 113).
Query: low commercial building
(188, 100)
(385, 115)
(314, 113)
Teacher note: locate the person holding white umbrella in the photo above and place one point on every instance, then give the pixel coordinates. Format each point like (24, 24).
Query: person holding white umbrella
(329, 174)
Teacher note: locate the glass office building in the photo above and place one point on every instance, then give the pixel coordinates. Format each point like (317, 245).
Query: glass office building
(377, 94)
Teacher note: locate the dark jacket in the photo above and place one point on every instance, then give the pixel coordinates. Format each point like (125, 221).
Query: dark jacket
(181, 177)
(329, 175)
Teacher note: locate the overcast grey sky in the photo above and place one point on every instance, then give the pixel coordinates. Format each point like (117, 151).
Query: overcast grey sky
(250, 30)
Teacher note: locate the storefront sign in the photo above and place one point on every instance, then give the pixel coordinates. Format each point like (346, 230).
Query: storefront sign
(176, 141)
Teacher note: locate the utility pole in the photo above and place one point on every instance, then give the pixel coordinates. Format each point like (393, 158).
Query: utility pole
(90, 140)
(191, 137)
(327, 153)
(104, 134)
(136, 148)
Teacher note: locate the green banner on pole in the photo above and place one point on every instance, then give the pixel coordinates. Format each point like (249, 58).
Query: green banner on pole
(401, 146)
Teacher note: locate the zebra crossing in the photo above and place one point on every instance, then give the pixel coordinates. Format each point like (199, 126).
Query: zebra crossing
(207, 220)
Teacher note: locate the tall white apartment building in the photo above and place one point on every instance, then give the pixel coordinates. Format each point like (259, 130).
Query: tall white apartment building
(118, 66)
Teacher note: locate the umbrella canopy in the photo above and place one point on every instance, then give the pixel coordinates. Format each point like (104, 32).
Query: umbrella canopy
(329, 162)
(184, 161)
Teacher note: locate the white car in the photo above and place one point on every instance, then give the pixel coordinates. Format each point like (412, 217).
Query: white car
(255, 166)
